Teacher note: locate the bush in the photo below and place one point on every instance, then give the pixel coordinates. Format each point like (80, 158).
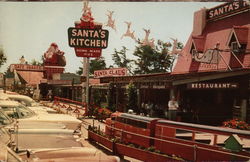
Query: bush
(151, 148)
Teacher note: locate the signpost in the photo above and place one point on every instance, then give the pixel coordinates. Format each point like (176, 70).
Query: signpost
(88, 39)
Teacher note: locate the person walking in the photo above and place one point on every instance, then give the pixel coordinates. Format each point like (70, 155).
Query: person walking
(172, 108)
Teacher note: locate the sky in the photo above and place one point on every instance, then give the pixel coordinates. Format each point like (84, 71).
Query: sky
(28, 28)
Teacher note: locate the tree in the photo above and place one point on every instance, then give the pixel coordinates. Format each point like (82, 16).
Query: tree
(120, 59)
(79, 71)
(132, 98)
(39, 63)
(3, 58)
(153, 60)
(8, 73)
(95, 64)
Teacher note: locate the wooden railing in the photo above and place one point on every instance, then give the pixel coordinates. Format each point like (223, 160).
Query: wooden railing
(190, 141)
(70, 105)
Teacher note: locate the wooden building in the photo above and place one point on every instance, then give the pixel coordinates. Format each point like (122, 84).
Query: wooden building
(211, 78)
(219, 44)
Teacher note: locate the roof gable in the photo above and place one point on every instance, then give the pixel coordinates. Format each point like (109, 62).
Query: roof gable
(198, 42)
(240, 33)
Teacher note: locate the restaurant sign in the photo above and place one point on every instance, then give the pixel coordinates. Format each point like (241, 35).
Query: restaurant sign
(110, 72)
(25, 67)
(88, 38)
(88, 42)
(212, 86)
(229, 8)
(59, 82)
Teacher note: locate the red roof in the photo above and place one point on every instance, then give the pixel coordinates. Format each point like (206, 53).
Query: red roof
(31, 77)
(199, 42)
(217, 32)
(241, 33)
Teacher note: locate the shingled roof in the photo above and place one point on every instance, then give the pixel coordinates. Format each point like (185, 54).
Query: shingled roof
(218, 33)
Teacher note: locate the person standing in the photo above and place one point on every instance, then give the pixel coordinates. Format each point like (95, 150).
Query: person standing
(172, 108)
(50, 95)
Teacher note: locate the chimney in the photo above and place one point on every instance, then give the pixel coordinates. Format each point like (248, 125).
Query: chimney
(199, 21)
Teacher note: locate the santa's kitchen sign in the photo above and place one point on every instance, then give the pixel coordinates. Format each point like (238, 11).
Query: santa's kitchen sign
(88, 42)
(87, 37)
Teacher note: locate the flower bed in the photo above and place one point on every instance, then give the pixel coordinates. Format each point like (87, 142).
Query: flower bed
(99, 113)
(236, 124)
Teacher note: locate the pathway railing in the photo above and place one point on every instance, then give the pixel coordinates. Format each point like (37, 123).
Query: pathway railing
(187, 149)
(79, 108)
(64, 105)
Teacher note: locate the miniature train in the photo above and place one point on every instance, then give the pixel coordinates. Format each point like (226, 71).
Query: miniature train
(190, 141)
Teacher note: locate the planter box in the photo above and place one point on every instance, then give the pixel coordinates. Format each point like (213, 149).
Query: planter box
(100, 139)
(125, 150)
(141, 154)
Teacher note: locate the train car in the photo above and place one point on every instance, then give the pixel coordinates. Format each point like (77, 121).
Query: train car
(197, 142)
(131, 128)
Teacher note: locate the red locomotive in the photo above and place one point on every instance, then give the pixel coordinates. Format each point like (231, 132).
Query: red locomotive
(190, 141)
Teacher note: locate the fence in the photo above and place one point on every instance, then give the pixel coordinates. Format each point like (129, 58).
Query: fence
(188, 148)
(79, 108)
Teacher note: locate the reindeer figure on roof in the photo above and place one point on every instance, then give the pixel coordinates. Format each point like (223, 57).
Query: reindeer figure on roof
(128, 32)
(175, 51)
(111, 22)
(146, 41)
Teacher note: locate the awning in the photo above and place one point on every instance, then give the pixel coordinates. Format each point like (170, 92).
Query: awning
(166, 80)
(206, 76)
(31, 77)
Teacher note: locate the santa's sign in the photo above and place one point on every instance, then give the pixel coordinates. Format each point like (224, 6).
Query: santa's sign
(110, 72)
(87, 37)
